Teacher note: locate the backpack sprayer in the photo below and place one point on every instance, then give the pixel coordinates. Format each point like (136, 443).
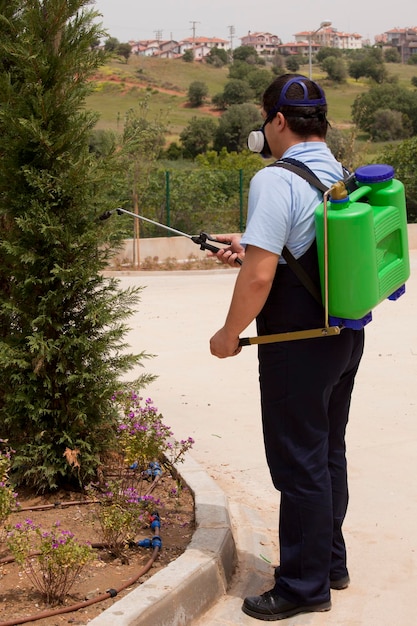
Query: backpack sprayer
(201, 240)
(362, 247)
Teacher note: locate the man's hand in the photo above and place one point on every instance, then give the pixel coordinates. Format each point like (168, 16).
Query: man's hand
(223, 345)
(229, 255)
(252, 287)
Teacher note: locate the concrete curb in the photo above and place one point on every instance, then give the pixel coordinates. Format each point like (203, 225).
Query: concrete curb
(191, 584)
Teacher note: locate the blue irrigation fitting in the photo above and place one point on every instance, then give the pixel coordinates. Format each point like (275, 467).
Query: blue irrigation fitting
(134, 465)
(154, 469)
(156, 524)
(155, 542)
(144, 543)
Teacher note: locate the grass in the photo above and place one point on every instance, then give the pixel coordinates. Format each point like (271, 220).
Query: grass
(122, 86)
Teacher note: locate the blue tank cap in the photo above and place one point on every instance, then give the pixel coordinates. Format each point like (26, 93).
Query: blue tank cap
(377, 173)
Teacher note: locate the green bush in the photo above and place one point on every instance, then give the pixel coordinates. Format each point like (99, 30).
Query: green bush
(62, 323)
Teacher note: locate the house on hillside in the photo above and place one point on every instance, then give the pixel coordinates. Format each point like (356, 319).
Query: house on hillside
(347, 41)
(203, 45)
(403, 39)
(330, 38)
(264, 43)
(154, 47)
(298, 47)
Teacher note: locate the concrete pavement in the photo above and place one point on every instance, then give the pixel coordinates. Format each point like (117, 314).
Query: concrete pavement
(217, 403)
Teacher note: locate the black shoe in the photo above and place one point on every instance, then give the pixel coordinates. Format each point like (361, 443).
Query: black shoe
(270, 607)
(337, 583)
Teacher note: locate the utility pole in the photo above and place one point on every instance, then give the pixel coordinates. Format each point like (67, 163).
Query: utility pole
(231, 34)
(193, 28)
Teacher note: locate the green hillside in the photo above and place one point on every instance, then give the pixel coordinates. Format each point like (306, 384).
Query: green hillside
(121, 86)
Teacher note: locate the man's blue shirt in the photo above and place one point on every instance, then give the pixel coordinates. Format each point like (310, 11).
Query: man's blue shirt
(281, 204)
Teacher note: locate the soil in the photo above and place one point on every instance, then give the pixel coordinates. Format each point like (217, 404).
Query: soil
(19, 599)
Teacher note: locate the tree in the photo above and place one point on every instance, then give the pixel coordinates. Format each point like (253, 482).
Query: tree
(336, 69)
(124, 50)
(292, 63)
(237, 92)
(197, 93)
(217, 57)
(246, 53)
(326, 51)
(240, 69)
(188, 56)
(111, 44)
(258, 80)
(197, 136)
(391, 55)
(235, 126)
(392, 96)
(143, 142)
(278, 64)
(62, 324)
(403, 157)
(390, 125)
(368, 63)
(342, 145)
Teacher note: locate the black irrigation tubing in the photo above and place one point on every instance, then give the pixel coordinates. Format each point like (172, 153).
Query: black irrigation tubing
(54, 505)
(110, 593)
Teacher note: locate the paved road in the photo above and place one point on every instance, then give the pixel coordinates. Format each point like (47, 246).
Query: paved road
(217, 403)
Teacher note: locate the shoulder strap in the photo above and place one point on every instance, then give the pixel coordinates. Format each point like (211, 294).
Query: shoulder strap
(301, 169)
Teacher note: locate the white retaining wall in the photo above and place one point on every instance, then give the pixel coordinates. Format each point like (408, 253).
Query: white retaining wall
(181, 248)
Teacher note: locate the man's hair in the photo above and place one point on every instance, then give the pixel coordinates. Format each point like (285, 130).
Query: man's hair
(304, 119)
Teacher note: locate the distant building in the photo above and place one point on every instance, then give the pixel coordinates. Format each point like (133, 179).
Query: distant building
(403, 39)
(330, 38)
(298, 47)
(347, 41)
(153, 47)
(171, 49)
(264, 43)
(202, 45)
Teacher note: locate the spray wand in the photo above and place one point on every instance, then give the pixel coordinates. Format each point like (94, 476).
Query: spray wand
(200, 240)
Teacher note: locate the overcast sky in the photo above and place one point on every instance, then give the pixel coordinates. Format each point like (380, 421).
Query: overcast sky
(140, 19)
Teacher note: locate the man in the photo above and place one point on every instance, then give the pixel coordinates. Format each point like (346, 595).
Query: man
(305, 384)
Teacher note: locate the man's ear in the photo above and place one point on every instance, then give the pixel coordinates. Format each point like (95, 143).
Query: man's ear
(280, 120)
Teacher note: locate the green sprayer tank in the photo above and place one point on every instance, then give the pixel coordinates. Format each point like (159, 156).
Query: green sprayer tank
(367, 244)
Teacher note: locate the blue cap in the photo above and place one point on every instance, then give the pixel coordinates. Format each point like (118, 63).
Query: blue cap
(377, 173)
